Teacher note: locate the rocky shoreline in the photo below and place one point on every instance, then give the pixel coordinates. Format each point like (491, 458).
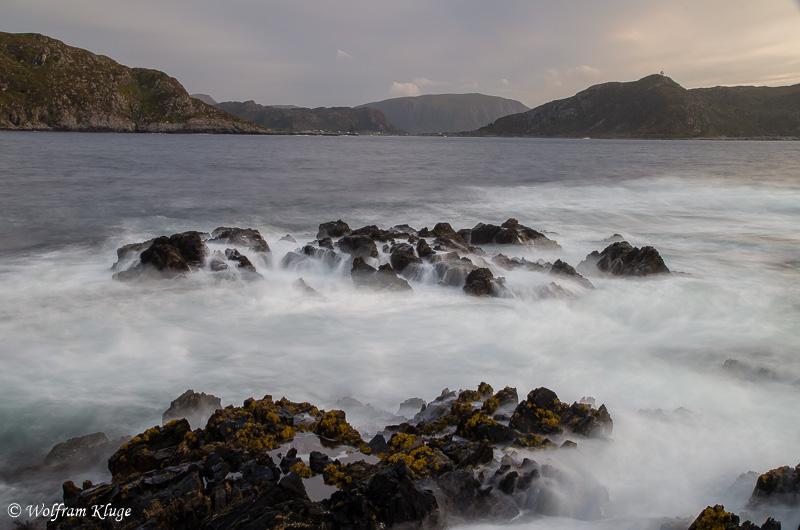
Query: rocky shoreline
(466, 456)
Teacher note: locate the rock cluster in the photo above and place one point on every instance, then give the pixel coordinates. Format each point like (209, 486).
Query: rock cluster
(465, 456)
(390, 259)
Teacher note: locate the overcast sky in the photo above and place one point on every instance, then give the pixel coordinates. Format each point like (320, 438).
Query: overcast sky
(348, 52)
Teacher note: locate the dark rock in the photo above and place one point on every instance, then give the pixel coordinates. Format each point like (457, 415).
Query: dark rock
(325, 242)
(358, 246)
(424, 250)
(149, 451)
(566, 270)
(195, 407)
(373, 232)
(481, 282)
(70, 490)
(398, 499)
(130, 251)
(241, 237)
(622, 259)
(777, 486)
(318, 461)
(543, 413)
(333, 229)
(509, 233)
(288, 238)
(402, 256)
(288, 461)
(378, 445)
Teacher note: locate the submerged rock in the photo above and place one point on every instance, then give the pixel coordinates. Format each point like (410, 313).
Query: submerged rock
(381, 279)
(622, 259)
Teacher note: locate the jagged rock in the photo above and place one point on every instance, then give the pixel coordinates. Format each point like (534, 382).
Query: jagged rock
(289, 238)
(149, 451)
(358, 246)
(566, 270)
(622, 259)
(195, 407)
(777, 486)
(242, 237)
(542, 413)
(333, 229)
(373, 232)
(509, 233)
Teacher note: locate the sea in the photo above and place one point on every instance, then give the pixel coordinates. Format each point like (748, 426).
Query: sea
(699, 369)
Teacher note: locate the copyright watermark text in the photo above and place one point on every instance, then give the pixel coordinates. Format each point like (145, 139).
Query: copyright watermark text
(96, 511)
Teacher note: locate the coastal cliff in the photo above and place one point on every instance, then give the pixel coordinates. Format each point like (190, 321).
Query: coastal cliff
(48, 86)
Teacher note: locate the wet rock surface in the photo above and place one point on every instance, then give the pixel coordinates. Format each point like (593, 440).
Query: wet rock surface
(244, 469)
(623, 259)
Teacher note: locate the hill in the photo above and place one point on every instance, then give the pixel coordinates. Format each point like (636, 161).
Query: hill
(439, 113)
(297, 119)
(658, 107)
(47, 85)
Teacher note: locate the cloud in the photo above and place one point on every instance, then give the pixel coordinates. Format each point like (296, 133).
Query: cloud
(579, 74)
(398, 90)
(342, 55)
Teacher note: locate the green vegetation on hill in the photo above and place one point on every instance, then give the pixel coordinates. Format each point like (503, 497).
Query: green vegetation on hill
(297, 119)
(440, 113)
(658, 107)
(47, 85)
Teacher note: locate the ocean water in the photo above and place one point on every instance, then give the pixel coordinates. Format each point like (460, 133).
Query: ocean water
(83, 353)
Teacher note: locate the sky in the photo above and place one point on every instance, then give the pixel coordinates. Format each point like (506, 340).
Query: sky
(314, 53)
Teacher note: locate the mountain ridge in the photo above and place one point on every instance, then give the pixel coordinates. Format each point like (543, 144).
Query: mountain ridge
(445, 113)
(299, 119)
(658, 107)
